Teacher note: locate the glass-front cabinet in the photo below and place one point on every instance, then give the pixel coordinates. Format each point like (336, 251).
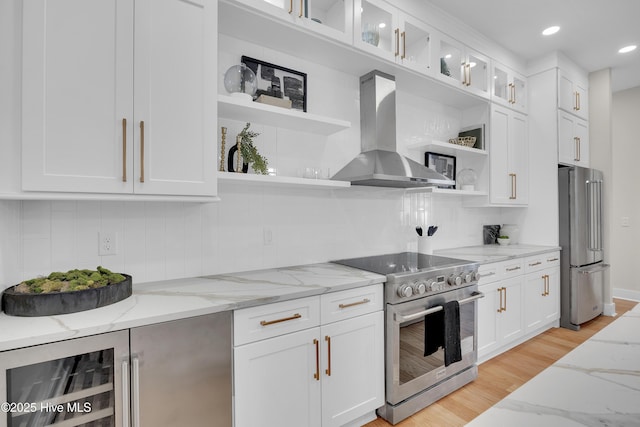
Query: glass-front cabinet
(80, 382)
(462, 66)
(509, 88)
(385, 31)
(332, 18)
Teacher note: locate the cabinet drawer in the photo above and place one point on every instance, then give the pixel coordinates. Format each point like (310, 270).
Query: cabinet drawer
(342, 305)
(270, 320)
(541, 261)
(489, 273)
(511, 268)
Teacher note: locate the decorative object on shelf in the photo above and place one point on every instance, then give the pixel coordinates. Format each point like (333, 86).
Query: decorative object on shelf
(371, 33)
(490, 234)
(444, 68)
(425, 245)
(467, 179)
(512, 232)
(223, 150)
(446, 165)
(270, 100)
(476, 131)
(247, 153)
(63, 293)
(279, 82)
(240, 81)
(503, 240)
(467, 141)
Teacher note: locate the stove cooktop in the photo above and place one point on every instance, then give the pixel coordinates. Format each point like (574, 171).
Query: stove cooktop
(402, 263)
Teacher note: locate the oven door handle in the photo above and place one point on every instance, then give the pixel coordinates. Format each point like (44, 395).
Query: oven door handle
(401, 319)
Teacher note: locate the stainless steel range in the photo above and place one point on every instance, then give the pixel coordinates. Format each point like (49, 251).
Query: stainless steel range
(431, 332)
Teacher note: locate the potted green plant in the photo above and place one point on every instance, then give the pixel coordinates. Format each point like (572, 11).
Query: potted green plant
(503, 240)
(249, 151)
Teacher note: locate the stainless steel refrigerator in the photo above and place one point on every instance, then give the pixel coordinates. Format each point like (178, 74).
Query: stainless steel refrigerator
(584, 274)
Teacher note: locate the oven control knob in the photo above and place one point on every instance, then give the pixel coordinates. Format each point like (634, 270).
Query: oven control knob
(455, 280)
(477, 276)
(468, 277)
(419, 288)
(430, 285)
(405, 291)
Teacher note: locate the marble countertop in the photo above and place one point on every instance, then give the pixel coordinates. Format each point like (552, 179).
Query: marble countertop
(495, 253)
(156, 302)
(596, 384)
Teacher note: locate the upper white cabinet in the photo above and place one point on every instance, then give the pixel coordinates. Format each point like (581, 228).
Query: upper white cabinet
(573, 95)
(509, 157)
(573, 140)
(509, 88)
(332, 18)
(461, 66)
(119, 97)
(382, 29)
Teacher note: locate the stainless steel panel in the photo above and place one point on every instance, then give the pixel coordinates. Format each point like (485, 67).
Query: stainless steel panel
(587, 292)
(585, 216)
(184, 371)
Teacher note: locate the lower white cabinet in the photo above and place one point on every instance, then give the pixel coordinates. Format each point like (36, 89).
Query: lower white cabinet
(522, 299)
(330, 372)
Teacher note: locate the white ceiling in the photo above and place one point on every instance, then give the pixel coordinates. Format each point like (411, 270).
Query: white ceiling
(591, 31)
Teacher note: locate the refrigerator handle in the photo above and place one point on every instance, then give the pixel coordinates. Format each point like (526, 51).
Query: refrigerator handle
(599, 268)
(594, 214)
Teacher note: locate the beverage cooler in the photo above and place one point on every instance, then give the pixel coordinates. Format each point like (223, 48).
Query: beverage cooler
(79, 382)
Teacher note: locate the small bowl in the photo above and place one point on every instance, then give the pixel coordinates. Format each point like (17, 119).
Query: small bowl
(503, 242)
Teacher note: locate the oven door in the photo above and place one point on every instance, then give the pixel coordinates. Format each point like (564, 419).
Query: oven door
(408, 370)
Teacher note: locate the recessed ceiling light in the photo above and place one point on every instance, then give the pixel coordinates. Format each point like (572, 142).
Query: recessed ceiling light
(627, 49)
(551, 30)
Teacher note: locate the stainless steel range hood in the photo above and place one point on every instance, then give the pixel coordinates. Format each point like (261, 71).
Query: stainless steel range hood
(379, 164)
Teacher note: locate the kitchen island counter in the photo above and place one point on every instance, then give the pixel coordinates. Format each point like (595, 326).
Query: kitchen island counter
(485, 254)
(168, 300)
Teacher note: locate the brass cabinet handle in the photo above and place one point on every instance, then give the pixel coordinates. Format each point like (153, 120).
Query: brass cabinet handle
(503, 307)
(404, 44)
(513, 88)
(544, 285)
(505, 298)
(514, 189)
(510, 93)
(552, 259)
(290, 6)
(468, 74)
(514, 268)
(548, 284)
(364, 301)
(577, 101)
(284, 319)
(397, 33)
(576, 140)
(535, 263)
(124, 150)
(316, 376)
(327, 371)
(141, 151)
(300, 14)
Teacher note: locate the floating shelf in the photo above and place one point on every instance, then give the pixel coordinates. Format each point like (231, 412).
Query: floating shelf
(249, 111)
(284, 181)
(445, 148)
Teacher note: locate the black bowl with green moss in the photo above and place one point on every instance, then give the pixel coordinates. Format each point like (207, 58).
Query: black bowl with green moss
(63, 293)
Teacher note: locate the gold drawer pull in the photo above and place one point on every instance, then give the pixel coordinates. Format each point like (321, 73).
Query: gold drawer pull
(364, 301)
(327, 371)
(535, 263)
(514, 268)
(316, 376)
(284, 319)
(552, 259)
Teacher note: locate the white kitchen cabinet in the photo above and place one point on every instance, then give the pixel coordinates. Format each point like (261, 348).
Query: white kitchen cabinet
(573, 95)
(331, 18)
(573, 140)
(542, 291)
(119, 96)
(509, 88)
(461, 66)
(384, 30)
(293, 369)
(508, 152)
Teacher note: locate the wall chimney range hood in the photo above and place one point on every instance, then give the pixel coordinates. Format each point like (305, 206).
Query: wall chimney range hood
(379, 164)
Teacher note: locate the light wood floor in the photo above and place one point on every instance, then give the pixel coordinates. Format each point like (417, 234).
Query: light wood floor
(504, 373)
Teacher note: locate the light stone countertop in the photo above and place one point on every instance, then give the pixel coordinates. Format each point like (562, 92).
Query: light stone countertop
(162, 301)
(596, 384)
(494, 253)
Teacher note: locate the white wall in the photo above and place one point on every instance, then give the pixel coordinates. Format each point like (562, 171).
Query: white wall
(626, 203)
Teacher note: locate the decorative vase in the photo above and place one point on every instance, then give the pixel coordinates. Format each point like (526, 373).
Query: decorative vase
(241, 81)
(232, 151)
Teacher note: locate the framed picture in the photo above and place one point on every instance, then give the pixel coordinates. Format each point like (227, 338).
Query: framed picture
(279, 82)
(445, 165)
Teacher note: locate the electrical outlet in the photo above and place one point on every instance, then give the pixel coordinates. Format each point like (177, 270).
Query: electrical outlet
(107, 243)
